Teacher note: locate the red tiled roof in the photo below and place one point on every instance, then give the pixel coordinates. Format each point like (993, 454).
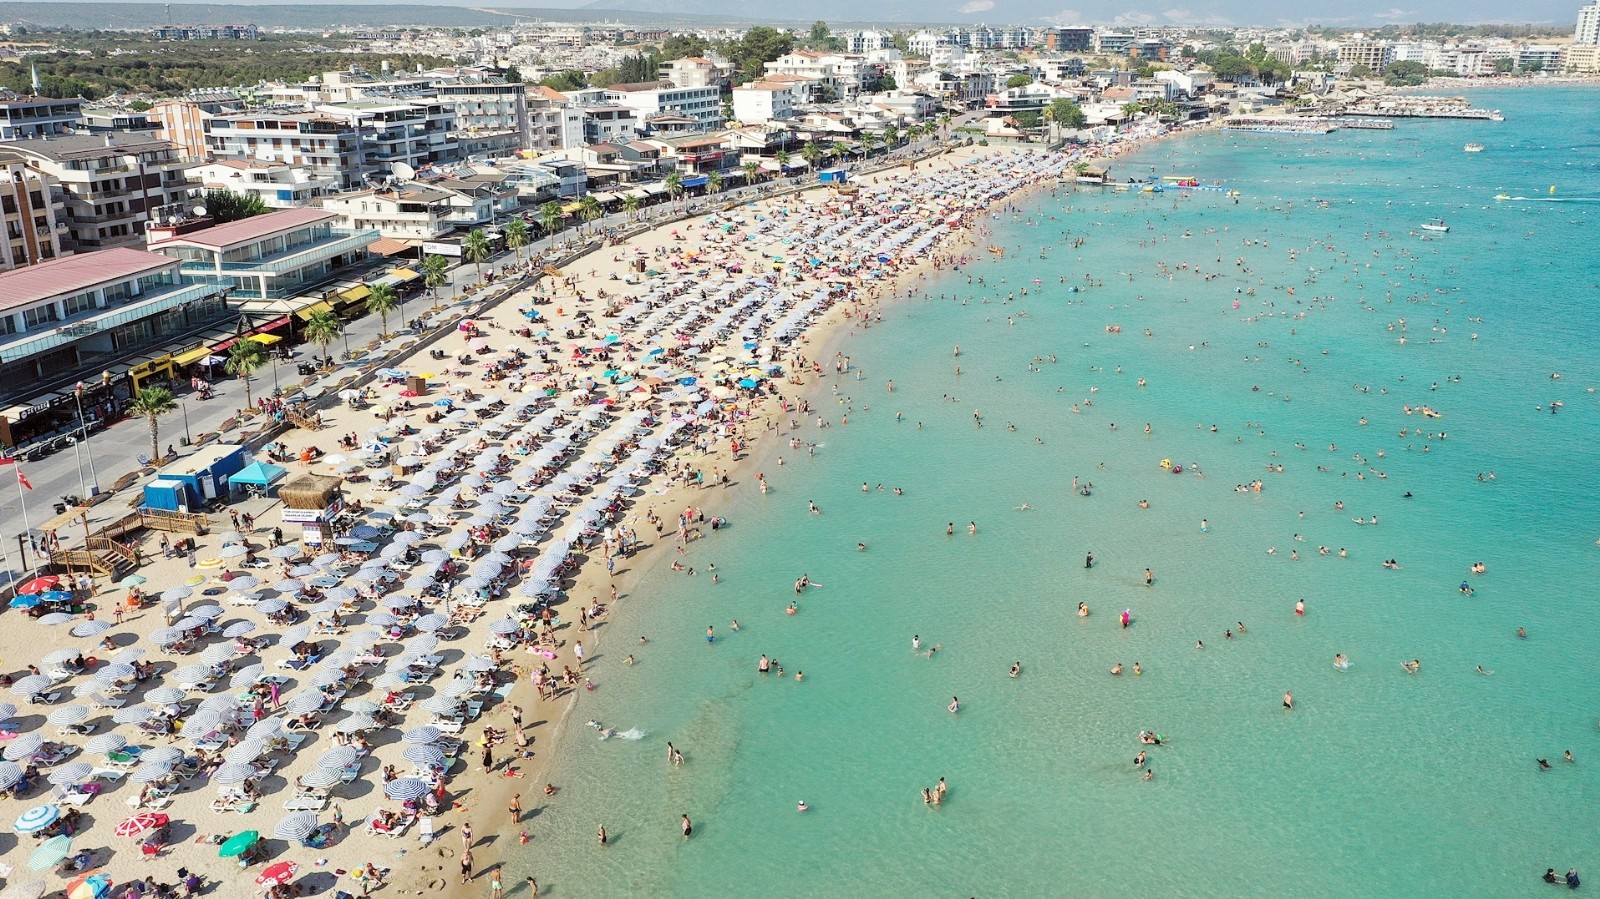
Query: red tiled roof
(72, 274)
(221, 236)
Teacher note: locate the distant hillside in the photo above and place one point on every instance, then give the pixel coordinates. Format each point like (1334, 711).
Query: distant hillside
(140, 16)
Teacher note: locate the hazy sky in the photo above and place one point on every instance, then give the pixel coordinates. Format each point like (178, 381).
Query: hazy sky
(1342, 13)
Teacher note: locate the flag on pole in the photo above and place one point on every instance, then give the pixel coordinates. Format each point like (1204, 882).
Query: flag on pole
(22, 478)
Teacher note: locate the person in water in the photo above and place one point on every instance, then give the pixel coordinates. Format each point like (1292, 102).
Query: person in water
(1016, 668)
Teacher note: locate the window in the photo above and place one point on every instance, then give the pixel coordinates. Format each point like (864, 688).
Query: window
(8, 324)
(40, 315)
(79, 303)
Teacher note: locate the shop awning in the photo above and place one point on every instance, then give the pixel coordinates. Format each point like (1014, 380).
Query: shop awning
(404, 274)
(267, 339)
(358, 292)
(190, 357)
(570, 208)
(314, 308)
(695, 181)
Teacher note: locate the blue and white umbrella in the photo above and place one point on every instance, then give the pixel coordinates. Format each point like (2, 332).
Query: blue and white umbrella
(37, 818)
(421, 735)
(90, 628)
(22, 747)
(423, 754)
(404, 788)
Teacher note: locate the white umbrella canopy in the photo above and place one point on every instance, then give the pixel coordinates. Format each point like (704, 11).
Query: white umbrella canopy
(232, 773)
(149, 772)
(69, 715)
(337, 757)
(162, 755)
(105, 743)
(71, 774)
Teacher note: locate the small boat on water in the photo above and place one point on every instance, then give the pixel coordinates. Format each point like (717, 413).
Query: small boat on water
(1473, 148)
(1435, 225)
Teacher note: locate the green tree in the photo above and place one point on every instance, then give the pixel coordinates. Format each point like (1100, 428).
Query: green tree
(682, 45)
(870, 140)
(630, 205)
(516, 236)
(227, 206)
(1019, 80)
(322, 329)
(435, 274)
(1067, 113)
(244, 357)
(551, 216)
(759, 46)
(1407, 73)
(1360, 71)
(589, 209)
(782, 158)
(752, 171)
(570, 80)
(674, 184)
(714, 183)
(811, 153)
(1501, 67)
(1533, 66)
(383, 300)
(475, 249)
(152, 403)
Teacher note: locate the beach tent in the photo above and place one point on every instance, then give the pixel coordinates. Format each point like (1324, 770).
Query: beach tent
(258, 474)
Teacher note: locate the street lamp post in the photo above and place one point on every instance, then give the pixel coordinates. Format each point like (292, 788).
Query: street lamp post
(77, 459)
(94, 478)
(185, 407)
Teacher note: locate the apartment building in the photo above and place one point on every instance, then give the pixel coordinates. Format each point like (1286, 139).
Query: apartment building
(491, 117)
(30, 117)
(108, 182)
(650, 99)
(405, 212)
(326, 145)
(690, 71)
(278, 184)
(32, 210)
(763, 101)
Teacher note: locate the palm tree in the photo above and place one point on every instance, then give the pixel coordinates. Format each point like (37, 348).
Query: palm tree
(630, 205)
(944, 122)
(714, 183)
(869, 140)
(839, 150)
(516, 238)
(674, 184)
(589, 208)
(152, 403)
(752, 171)
(244, 357)
(1130, 109)
(475, 248)
(322, 329)
(550, 216)
(782, 156)
(383, 301)
(811, 153)
(435, 274)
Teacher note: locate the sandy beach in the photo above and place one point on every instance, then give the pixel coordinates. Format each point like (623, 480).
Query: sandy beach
(582, 309)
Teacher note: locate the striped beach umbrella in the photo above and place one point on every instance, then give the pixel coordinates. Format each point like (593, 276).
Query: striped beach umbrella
(10, 775)
(140, 823)
(164, 695)
(23, 747)
(423, 754)
(90, 628)
(337, 757)
(296, 826)
(69, 715)
(37, 818)
(404, 788)
(105, 743)
(50, 852)
(71, 774)
(421, 735)
(150, 772)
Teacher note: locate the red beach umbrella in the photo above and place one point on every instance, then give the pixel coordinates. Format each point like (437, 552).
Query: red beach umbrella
(282, 872)
(140, 823)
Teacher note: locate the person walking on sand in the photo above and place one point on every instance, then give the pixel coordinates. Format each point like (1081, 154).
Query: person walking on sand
(466, 865)
(496, 888)
(533, 888)
(515, 807)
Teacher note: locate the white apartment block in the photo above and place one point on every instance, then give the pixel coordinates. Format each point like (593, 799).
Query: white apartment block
(33, 212)
(763, 101)
(278, 184)
(109, 183)
(703, 104)
(1588, 31)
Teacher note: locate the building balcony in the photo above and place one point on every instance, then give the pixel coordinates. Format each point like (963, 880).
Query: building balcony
(291, 260)
(152, 302)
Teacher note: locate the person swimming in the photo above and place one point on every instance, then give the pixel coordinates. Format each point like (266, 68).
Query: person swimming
(1341, 662)
(1016, 668)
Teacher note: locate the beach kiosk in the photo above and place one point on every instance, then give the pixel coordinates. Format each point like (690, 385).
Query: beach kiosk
(835, 177)
(203, 474)
(312, 501)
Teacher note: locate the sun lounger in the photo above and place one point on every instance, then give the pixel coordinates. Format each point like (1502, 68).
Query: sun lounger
(306, 803)
(233, 804)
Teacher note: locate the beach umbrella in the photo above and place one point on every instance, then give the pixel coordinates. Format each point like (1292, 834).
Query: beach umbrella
(90, 886)
(22, 747)
(140, 823)
(304, 701)
(245, 752)
(422, 643)
(190, 622)
(478, 663)
(356, 724)
(337, 757)
(25, 601)
(69, 715)
(176, 594)
(40, 584)
(404, 788)
(380, 619)
(361, 706)
(164, 695)
(90, 628)
(245, 676)
(327, 677)
(244, 583)
(228, 538)
(114, 671)
(238, 629)
(216, 654)
(321, 777)
(424, 754)
(457, 687)
(133, 714)
(10, 775)
(296, 826)
(277, 873)
(55, 618)
(504, 626)
(440, 705)
(221, 706)
(285, 551)
(162, 755)
(421, 735)
(238, 843)
(209, 612)
(194, 580)
(302, 571)
(37, 818)
(389, 681)
(294, 635)
(105, 743)
(324, 560)
(150, 772)
(233, 551)
(24, 889)
(72, 773)
(50, 852)
(165, 636)
(8, 710)
(233, 773)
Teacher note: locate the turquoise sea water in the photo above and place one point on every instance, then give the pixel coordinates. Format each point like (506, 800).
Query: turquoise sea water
(1380, 782)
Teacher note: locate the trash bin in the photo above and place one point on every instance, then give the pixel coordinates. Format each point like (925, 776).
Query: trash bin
(417, 384)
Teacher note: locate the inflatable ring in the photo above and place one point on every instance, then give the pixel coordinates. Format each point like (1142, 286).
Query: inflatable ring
(1166, 463)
